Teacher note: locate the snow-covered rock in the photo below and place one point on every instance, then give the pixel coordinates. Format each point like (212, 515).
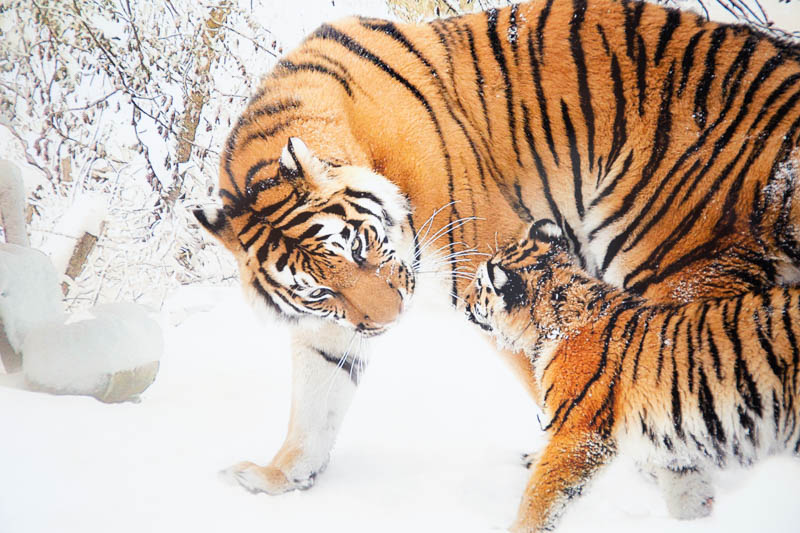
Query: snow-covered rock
(112, 354)
(29, 293)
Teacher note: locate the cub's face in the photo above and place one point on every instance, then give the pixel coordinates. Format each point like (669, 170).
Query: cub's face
(318, 240)
(515, 294)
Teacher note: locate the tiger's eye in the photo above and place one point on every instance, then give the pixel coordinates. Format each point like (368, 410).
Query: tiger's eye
(318, 294)
(357, 249)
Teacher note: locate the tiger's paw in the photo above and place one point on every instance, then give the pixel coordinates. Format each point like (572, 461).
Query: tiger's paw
(689, 494)
(689, 505)
(267, 479)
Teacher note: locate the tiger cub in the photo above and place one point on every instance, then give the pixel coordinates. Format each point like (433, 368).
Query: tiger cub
(678, 387)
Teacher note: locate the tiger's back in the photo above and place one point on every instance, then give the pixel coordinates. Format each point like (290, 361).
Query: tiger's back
(655, 147)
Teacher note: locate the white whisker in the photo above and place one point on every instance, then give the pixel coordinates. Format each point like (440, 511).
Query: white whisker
(449, 228)
(429, 223)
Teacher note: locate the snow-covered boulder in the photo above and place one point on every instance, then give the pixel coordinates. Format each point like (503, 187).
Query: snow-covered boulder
(29, 292)
(112, 353)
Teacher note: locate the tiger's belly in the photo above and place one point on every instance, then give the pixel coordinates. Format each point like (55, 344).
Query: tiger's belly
(650, 435)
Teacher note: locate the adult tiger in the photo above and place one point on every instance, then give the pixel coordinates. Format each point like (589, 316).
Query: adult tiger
(680, 387)
(662, 144)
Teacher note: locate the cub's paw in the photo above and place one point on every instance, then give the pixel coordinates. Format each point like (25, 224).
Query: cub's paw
(689, 494)
(267, 479)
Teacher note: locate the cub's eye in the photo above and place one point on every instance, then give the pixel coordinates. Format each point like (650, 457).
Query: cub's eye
(320, 294)
(357, 248)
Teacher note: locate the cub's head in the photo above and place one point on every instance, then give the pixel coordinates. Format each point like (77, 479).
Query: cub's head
(319, 240)
(521, 294)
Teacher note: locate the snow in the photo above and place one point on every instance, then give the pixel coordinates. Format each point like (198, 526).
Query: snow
(85, 215)
(29, 292)
(433, 443)
(78, 356)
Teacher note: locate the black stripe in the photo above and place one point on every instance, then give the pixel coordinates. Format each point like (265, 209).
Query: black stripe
(254, 238)
(611, 186)
(362, 194)
(479, 81)
(619, 136)
(335, 209)
(267, 298)
(542, 100)
(253, 170)
(575, 157)
(641, 344)
(632, 19)
(267, 134)
(578, 56)
(705, 400)
(688, 60)
(690, 350)
(344, 363)
(766, 344)
(664, 36)
(677, 414)
(790, 335)
(499, 56)
(541, 170)
(540, 23)
(641, 71)
(703, 86)
(744, 380)
(712, 346)
(288, 67)
(310, 232)
(299, 219)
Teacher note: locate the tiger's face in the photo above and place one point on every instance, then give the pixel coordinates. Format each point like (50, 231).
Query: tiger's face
(321, 241)
(524, 294)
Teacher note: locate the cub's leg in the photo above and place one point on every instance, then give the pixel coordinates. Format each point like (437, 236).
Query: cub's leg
(687, 490)
(563, 469)
(324, 379)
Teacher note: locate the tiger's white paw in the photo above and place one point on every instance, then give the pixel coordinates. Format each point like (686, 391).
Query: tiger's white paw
(267, 479)
(689, 493)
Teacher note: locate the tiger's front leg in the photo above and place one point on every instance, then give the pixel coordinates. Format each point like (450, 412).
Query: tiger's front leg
(327, 362)
(568, 462)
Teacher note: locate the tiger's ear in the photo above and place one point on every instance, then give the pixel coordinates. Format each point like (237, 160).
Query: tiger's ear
(216, 222)
(546, 230)
(298, 163)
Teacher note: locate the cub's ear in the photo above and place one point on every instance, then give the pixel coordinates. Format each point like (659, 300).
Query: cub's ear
(216, 222)
(546, 230)
(297, 162)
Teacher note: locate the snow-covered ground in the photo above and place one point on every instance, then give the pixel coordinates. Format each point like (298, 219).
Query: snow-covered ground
(432, 443)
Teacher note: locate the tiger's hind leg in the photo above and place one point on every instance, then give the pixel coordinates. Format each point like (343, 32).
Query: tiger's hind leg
(687, 490)
(324, 382)
(563, 469)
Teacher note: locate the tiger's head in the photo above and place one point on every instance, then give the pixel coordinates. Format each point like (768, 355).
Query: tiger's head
(529, 292)
(320, 240)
